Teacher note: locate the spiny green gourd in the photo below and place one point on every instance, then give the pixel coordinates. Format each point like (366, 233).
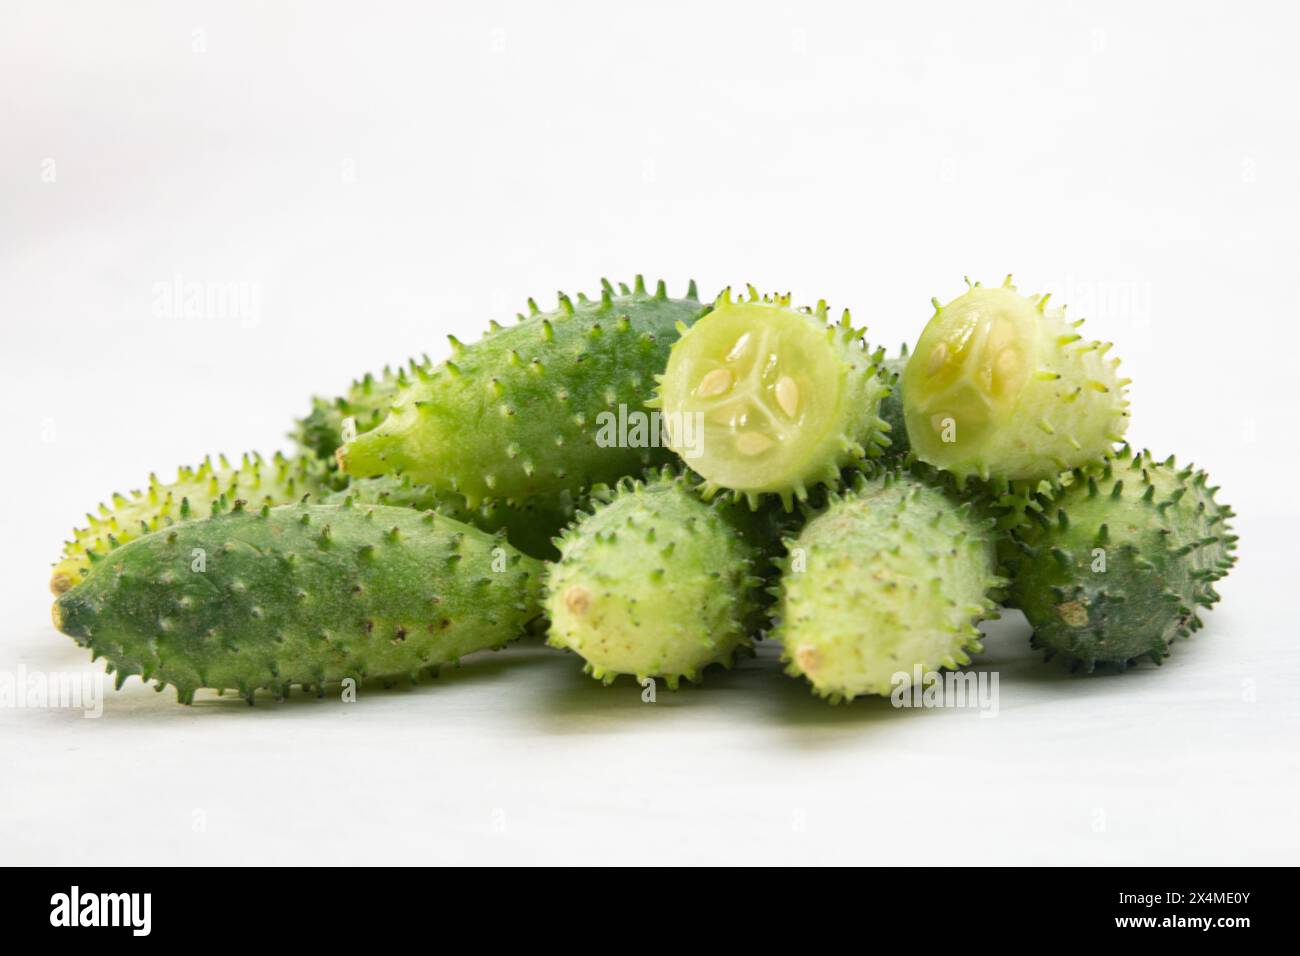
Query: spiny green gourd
(194, 494)
(529, 525)
(1000, 386)
(367, 402)
(535, 408)
(761, 398)
(300, 594)
(653, 583)
(895, 572)
(891, 406)
(1119, 560)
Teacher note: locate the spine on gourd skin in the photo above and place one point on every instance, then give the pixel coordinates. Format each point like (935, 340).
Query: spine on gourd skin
(655, 583)
(764, 399)
(193, 494)
(525, 410)
(300, 594)
(1002, 387)
(894, 573)
(367, 402)
(530, 525)
(1119, 560)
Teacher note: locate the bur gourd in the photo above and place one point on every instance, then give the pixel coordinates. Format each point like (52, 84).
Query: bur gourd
(1119, 560)
(654, 582)
(193, 494)
(895, 572)
(525, 410)
(1002, 387)
(300, 594)
(761, 398)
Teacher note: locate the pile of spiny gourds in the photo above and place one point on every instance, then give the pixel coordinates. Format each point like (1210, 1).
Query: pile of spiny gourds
(657, 482)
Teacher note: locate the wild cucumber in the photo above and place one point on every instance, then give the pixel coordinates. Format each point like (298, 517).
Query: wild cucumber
(894, 573)
(653, 583)
(1119, 559)
(520, 412)
(300, 594)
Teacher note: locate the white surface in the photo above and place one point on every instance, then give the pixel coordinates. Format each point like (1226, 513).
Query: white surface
(383, 178)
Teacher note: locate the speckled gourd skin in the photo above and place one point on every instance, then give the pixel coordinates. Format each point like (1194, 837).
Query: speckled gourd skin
(895, 572)
(515, 414)
(367, 401)
(1120, 558)
(530, 525)
(194, 494)
(655, 582)
(787, 399)
(300, 594)
(1002, 387)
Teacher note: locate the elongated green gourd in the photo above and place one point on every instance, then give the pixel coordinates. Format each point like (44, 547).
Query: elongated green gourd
(525, 410)
(891, 406)
(761, 398)
(193, 494)
(300, 594)
(1119, 560)
(894, 573)
(529, 525)
(654, 583)
(367, 401)
(1002, 387)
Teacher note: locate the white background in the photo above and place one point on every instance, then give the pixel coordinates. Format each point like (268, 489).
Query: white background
(380, 175)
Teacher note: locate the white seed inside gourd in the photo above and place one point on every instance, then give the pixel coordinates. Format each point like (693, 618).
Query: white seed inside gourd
(714, 383)
(787, 396)
(739, 348)
(1001, 335)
